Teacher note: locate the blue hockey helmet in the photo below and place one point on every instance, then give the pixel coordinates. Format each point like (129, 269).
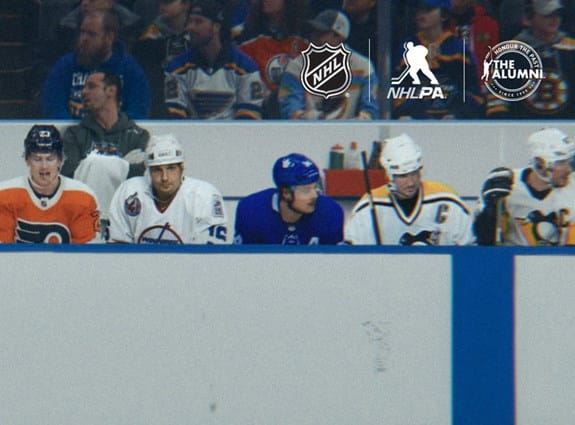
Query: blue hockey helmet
(295, 170)
(43, 139)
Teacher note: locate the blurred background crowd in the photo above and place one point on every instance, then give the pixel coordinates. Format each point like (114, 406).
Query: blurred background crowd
(158, 47)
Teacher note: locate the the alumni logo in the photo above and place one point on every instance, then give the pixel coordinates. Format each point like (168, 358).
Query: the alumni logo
(415, 57)
(326, 71)
(512, 70)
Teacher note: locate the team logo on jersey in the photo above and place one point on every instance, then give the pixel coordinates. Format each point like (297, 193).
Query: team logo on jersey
(542, 230)
(424, 237)
(291, 237)
(326, 71)
(276, 66)
(512, 70)
(28, 232)
(160, 235)
(133, 205)
(416, 60)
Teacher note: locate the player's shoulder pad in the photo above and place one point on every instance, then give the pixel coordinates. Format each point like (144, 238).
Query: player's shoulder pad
(76, 185)
(380, 195)
(433, 188)
(200, 187)
(325, 203)
(14, 183)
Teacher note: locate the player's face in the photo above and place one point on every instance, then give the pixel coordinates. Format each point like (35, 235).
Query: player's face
(166, 179)
(44, 171)
(95, 93)
(201, 30)
(94, 44)
(272, 7)
(545, 26)
(407, 185)
(305, 198)
(428, 18)
(560, 173)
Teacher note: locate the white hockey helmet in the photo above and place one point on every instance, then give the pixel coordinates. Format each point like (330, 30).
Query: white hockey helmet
(400, 155)
(164, 149)
(550, 145)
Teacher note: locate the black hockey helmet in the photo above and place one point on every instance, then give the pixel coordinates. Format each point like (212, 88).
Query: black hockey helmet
(43, 139)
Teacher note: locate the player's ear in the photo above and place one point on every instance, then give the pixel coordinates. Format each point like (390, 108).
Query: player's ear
(539, 164)
(286, 193)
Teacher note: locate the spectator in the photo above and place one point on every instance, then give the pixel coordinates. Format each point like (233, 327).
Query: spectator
(555, 97)
(409, 210)
(454, 73)
(213, 79)
(362, 15)
(130, 23)
(163, 40)
(106, 147)
(166, 207)
(271, 36)
(97, 47)
(45, 207)
(359, 101)
(470, 22)
(292, 213)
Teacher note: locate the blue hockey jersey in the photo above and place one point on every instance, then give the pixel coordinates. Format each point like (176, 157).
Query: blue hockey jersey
(258, 221)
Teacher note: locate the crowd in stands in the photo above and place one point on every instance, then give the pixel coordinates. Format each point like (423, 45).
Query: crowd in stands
(241, 59)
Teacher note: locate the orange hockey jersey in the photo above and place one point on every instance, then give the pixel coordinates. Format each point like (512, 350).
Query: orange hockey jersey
(70, 216)
(272, 55)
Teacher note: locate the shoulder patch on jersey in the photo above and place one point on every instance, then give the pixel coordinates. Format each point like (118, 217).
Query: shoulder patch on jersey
(133, 205)
(217, 206)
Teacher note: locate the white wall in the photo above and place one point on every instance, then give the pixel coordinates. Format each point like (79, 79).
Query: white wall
(545, 340)
(168, 339)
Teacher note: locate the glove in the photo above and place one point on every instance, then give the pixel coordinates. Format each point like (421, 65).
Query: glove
(136, 156)
(498, 185)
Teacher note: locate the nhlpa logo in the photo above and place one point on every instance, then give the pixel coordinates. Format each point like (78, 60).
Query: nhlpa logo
(326, 71)
(415, 58)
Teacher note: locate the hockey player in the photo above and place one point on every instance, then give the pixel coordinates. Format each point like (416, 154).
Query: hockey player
(532, 205)
(292, 213)
(46, 207)
(409, 210)
(166, 207)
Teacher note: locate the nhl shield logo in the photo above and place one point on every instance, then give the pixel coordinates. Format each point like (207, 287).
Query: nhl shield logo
(326, 70)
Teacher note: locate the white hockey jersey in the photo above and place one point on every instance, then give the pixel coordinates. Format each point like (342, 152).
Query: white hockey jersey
(196, 215)
(439, 217)
(529, 221)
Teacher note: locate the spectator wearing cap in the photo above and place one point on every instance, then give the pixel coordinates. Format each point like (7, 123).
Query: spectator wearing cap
(454, 73)
(555, 96)
(359, 101)
(212, 79)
